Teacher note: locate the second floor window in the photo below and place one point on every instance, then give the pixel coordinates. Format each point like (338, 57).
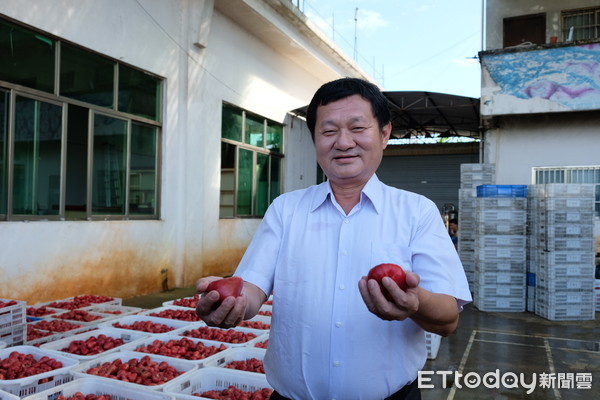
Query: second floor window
(251, 163)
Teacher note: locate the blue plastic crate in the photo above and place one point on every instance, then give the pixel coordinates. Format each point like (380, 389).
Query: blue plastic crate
(502, 191)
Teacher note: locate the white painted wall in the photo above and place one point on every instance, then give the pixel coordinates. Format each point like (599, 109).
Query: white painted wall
(46, 260)
(497, 10)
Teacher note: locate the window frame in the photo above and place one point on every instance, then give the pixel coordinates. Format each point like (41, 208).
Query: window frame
(55, 98)
(595, 26)
(243, 145)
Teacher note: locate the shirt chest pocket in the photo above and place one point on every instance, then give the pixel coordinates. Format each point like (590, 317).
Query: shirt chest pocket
(391, 253)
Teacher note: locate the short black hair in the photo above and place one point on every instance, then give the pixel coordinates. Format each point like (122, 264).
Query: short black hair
(346, 87)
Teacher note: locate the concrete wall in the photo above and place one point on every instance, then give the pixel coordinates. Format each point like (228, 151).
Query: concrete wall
(497, 10)
(44, 260)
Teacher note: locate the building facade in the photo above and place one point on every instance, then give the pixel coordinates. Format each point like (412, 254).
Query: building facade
(142, 140)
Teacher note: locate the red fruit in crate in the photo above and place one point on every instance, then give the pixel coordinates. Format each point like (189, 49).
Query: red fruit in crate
(393, 271)
(227, 287)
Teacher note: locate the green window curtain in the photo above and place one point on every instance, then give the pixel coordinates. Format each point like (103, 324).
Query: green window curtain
(244, 182)
(142, 176)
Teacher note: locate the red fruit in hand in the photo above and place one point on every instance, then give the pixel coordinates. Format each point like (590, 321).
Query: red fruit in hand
(393, 271)
(227, 287)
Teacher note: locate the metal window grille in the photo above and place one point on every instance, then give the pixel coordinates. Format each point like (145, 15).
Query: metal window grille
(581, 24)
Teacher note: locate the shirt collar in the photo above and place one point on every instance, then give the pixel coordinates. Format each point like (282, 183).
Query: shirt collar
(371, 191)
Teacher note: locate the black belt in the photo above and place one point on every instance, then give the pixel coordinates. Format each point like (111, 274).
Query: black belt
(408, 392)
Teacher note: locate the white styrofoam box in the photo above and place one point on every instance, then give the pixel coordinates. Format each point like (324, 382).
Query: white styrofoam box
(14, 335)
(236, 354)
(173, 312)
(189, 331)
(38, 382)
(115, 311)
(8, 396)
(183, 366)
(96, 299)
(261, 322)
(188, 302)
(516, 241)
(169, 325)
(565, 312)
(501, 203)
(13, 314)
(219, 346)
(490, 291)
(260, 342)
(59, 346)
(98, 387)
(213, 378)
(432, 341)
(504, 304)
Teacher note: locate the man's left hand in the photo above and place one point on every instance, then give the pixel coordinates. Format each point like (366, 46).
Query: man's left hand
(404, 304)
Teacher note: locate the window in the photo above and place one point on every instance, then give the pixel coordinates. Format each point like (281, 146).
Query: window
(581, 24)
(588, 175)
(250, 163)
(81, 143)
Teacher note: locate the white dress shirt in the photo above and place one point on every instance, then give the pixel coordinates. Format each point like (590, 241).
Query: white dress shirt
(324, 343)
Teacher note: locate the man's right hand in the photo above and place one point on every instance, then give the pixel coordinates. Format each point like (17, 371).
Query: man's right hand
(226, 315)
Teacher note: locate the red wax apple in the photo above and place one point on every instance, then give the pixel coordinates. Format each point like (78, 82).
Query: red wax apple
(227, 287)
(393, 271)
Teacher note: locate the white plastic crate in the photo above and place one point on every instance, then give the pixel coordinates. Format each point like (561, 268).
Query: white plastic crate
(188, 302)
(183, 366)
(501, 216)
(70, 315)
(99, 387)
(567, 244)
(77, 326)
(552, 258)
(12, 315)
(432, 341)
(14, 335)
(49, 312)
(501, 203)
(501, 278)
(504, 227)
(501, 266)
(567, 216)
(128, 337)
(552, 298)
(564, 284)
(54, 303)
(491, 291)
(260, 322)
(477, 167)
(565, 312)
(212, 378)
(36, 383)
(188, 331)
(597, 293)
(171, 324)
(166, 338)
(185, 312)
(505, 304)
(494, 253)
(236, 354)
(7, 396)
(260, 342)
(565, 190)
(513, 241)
(566, 203)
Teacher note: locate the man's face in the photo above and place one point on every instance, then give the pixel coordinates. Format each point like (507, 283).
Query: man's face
(348, 141)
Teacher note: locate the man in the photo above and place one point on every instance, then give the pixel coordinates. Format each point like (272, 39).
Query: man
(333, 333)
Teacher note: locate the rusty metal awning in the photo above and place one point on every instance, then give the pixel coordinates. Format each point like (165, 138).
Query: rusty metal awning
(433, 114)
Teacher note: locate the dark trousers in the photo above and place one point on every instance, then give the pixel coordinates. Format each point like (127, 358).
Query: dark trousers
(408, 392)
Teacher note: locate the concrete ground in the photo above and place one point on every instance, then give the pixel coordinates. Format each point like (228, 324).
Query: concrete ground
(550, 360)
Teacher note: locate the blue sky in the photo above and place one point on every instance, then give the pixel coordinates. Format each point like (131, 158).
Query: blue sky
(425, 45)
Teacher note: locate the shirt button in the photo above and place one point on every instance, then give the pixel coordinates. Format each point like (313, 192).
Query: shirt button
(336, 363)
(338, 324)
(344, 252)
(342, 287)
(346, 221)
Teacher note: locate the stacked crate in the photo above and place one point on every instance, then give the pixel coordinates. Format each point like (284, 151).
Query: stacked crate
(500, 248)
(562, 250)
(12, 321)
(471, 176)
